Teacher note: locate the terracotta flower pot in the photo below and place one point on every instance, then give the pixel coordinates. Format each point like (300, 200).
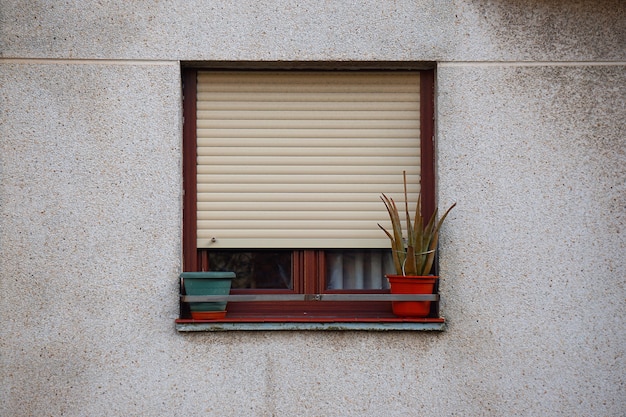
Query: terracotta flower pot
(411, 285)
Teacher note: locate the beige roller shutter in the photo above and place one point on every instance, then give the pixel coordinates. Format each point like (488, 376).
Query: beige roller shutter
(299, 159)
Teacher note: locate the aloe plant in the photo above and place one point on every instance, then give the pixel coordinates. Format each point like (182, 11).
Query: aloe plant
(415, 253)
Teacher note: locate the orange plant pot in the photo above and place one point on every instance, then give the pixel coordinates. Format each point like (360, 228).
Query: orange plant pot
(208, 315)
(411, 285)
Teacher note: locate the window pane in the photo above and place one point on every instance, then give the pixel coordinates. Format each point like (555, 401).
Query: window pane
(358, 269)
(255, 269)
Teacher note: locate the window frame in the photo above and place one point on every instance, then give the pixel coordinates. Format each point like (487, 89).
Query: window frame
(308, 261)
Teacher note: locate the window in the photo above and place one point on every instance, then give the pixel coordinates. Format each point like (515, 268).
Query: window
(283, 170)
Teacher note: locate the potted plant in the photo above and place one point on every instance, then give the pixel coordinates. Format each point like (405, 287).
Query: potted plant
(207, 283)
(413, 254)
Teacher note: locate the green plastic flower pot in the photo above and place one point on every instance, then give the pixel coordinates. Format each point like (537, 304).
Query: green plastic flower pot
(207, 283)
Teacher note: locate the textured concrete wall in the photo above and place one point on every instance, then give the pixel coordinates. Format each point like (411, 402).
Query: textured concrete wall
(531, 144)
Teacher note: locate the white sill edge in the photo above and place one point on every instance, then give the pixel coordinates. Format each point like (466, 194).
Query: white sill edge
(336, 326)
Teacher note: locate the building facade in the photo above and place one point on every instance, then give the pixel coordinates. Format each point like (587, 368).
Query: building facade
(530, 103)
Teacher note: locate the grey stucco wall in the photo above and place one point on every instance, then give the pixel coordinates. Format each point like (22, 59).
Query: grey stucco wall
(531, 144)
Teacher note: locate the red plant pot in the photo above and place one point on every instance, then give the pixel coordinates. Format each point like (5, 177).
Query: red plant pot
(208, 315)
(411, 285)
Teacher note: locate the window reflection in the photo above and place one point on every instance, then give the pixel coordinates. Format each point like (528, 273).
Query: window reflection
(255, 269)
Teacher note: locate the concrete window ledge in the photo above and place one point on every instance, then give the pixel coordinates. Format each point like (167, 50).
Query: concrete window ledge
(435, 324)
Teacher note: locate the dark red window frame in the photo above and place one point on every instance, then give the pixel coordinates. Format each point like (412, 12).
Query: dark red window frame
(307, 263)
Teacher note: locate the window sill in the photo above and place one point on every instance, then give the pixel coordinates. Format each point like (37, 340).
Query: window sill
(332, 317)
(314, 323)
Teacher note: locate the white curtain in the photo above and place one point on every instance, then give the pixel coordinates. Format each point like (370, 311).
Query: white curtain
(358, 269)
